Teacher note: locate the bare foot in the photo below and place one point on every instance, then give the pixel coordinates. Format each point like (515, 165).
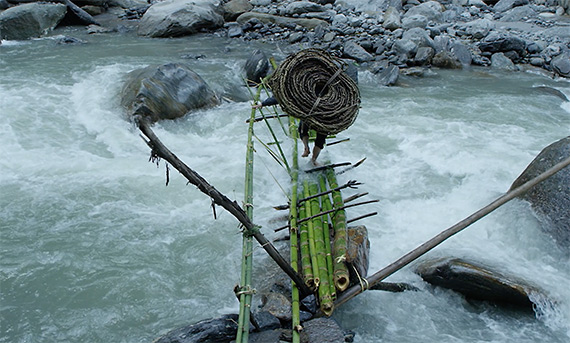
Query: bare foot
(305, 153)
(315, 163)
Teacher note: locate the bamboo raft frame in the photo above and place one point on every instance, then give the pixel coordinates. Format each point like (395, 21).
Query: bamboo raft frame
(316, 264)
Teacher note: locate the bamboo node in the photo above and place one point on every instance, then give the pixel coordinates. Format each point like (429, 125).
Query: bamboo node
(298, 328)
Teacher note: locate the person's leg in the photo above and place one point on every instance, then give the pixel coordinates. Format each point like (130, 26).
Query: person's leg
(319, 145)
(304, 134)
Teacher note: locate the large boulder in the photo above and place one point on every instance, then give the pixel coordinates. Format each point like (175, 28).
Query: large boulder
(256, 67)
(30, 20)
(561, 64)
(173, 18)
(551, 198)
(478, 282)
(281, 20)
(221, 329)
(165, 92)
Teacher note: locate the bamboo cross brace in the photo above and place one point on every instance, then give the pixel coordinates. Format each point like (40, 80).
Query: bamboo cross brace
(442, 236)
(160, 150)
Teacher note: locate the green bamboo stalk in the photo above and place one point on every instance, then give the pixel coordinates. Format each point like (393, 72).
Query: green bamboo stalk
(325, 297)
(312, 248)
(327, 206)
(245, 293)
(293, 234)
(306, 265)
(341, 277)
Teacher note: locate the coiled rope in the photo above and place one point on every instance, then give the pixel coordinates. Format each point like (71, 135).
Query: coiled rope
(311, 85)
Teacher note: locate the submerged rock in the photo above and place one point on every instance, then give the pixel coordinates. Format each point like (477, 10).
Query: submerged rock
(478, 282)
(550, 199)
(221, 329)
(168, 91)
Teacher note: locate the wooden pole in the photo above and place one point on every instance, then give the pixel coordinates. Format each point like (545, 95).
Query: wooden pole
(435, 241)
(159, 150)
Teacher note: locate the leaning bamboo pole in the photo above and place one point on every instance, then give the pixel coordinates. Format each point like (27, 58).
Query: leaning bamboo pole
(324, 291)
(341, 276)
(293, 234)
(245, 291)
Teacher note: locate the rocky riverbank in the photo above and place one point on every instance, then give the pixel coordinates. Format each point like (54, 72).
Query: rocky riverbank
(384, 36)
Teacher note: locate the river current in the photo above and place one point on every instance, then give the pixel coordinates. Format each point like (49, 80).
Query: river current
(95, 248)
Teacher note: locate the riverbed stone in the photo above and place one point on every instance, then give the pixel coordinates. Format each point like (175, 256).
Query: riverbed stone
(174, 18)
(446, 60)
(221, 329)
(500, 61)
(432, 10)
(30, 20)
(392, 19)
(322, 330)
(167, 91)
(550, 199)
(356, 52)
(234, 8)
(478, 281)
(281, 20)
(561, 64)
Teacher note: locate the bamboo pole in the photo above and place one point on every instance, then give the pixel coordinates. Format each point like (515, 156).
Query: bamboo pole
(327, 206)
(311, 231)
(444, 235)
(307, 267)
(341, 276)
(159, 150)
(245, 296)
(293, 240)
(325, 296)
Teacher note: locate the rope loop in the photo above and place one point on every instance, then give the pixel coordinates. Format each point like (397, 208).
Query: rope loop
(312, 85)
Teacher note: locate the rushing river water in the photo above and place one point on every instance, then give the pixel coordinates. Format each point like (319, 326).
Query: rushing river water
(94, 247)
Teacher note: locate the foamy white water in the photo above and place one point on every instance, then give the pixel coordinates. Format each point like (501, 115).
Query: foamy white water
(95, 248)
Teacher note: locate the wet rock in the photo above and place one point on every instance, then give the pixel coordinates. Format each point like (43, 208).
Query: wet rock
(322, 330)
(462, 52)
(278, 305)
(387, 74)
(221, 329)
(173, 18)
(30, 20)
(424, 55)
(4, 4)
(357, 251)
(270, 336)
(265, 320)
(551, 198)
(478, 282)
(561, 64)
(165, 92)
(446, 60)
(257, 67)
(500, 61)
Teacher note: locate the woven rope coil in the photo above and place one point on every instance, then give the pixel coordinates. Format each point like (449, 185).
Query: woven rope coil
(311, 85)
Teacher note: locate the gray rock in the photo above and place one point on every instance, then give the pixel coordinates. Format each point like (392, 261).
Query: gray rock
(561, 64)
(432, 10)
(387, 75)
(505, 5)
(446, 60)
(299, 7)
(462, 52)
(265, 320)
(479, 28)
(76, 15)
(221, 329)
(479, 282)
(419, 36)
(322, 330)
(270, 336)
(356, 52)
(500, 42)
(234, 8)
(551, 198)
(519, 14)
(416, 20)
(281, 21)
(500, 61)
(30, 20)
(168, 91)
(257, 67)
(405, 48)
(278, 305)
(173, 18)
(234, 30)
(392, 19)
(4, 4)
(424, 55)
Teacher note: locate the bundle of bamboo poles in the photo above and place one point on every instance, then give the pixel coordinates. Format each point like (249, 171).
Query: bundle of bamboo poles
(322, 262)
